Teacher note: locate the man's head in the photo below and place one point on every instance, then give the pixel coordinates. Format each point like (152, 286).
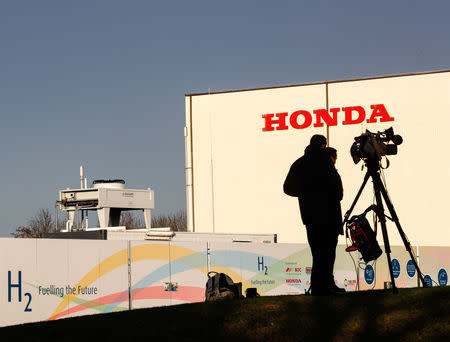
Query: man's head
(318, 140)
(332, 153)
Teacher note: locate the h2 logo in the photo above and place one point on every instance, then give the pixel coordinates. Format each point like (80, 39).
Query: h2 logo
(18, 285)
(261, 266)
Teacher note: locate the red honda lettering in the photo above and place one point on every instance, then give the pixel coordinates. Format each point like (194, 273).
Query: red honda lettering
(348, 115)
(379, 110)
(352, 115)
(323, 114)
(294, 119)
(269, 122)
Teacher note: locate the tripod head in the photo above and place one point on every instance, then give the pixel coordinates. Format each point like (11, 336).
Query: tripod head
(372, 165)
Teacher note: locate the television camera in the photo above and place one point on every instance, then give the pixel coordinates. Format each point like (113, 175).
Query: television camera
(372, 146)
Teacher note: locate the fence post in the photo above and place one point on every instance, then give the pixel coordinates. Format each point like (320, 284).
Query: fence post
(130, 289)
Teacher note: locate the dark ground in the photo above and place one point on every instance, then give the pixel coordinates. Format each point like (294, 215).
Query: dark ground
(412, 315)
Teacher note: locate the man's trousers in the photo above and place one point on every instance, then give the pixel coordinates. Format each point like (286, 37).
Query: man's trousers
(322, 240)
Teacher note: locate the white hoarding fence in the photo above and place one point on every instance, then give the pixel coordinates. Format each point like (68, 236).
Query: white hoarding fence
(44, 279)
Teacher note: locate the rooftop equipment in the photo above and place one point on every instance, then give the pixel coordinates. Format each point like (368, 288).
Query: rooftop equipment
(109, 198)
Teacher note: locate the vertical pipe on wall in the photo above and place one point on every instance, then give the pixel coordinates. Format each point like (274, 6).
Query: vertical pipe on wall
(212, 173)
(189, 170)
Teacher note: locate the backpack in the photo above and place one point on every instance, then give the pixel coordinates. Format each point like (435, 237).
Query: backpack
(363, 237)
(220, 286)
(291, 186)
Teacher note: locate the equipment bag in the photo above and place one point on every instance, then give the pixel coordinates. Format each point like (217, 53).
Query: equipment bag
(221, 286)
(363, 237)
(291, 185)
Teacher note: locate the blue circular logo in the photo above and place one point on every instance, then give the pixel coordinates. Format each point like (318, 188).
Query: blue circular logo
(369, 275)
(410, 268)
(395, 267)
(442, 277)
(428, 280)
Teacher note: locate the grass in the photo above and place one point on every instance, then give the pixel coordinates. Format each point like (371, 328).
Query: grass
(411, 315)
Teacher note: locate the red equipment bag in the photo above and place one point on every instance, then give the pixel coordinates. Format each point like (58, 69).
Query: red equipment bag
(363, 237)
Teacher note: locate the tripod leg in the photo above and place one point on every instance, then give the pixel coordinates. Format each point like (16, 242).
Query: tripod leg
(401, 232)
(349, 212)
(387, 247)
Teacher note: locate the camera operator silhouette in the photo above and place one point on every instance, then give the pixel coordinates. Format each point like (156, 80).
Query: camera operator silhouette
(314, 180)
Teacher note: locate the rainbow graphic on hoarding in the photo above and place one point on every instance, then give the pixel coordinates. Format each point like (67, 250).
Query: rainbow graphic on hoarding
(181, 259)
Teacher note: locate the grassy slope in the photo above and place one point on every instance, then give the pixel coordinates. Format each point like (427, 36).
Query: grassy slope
(411, 315)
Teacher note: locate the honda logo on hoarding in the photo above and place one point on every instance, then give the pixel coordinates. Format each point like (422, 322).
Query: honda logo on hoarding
(301, 119)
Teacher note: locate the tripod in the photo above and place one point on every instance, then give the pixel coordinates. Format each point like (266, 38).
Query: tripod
(373, 170)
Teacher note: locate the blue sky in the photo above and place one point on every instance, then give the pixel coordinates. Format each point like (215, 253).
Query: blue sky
(102, 83)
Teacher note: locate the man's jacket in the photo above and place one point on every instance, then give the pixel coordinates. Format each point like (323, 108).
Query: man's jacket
(315, 181)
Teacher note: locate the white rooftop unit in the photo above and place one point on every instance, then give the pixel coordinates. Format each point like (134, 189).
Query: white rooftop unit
(109, 198)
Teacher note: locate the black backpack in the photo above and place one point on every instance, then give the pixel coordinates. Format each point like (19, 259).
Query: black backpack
(291, 185)
(220, 286)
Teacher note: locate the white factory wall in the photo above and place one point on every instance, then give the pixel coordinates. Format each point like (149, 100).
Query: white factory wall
(236, 169)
